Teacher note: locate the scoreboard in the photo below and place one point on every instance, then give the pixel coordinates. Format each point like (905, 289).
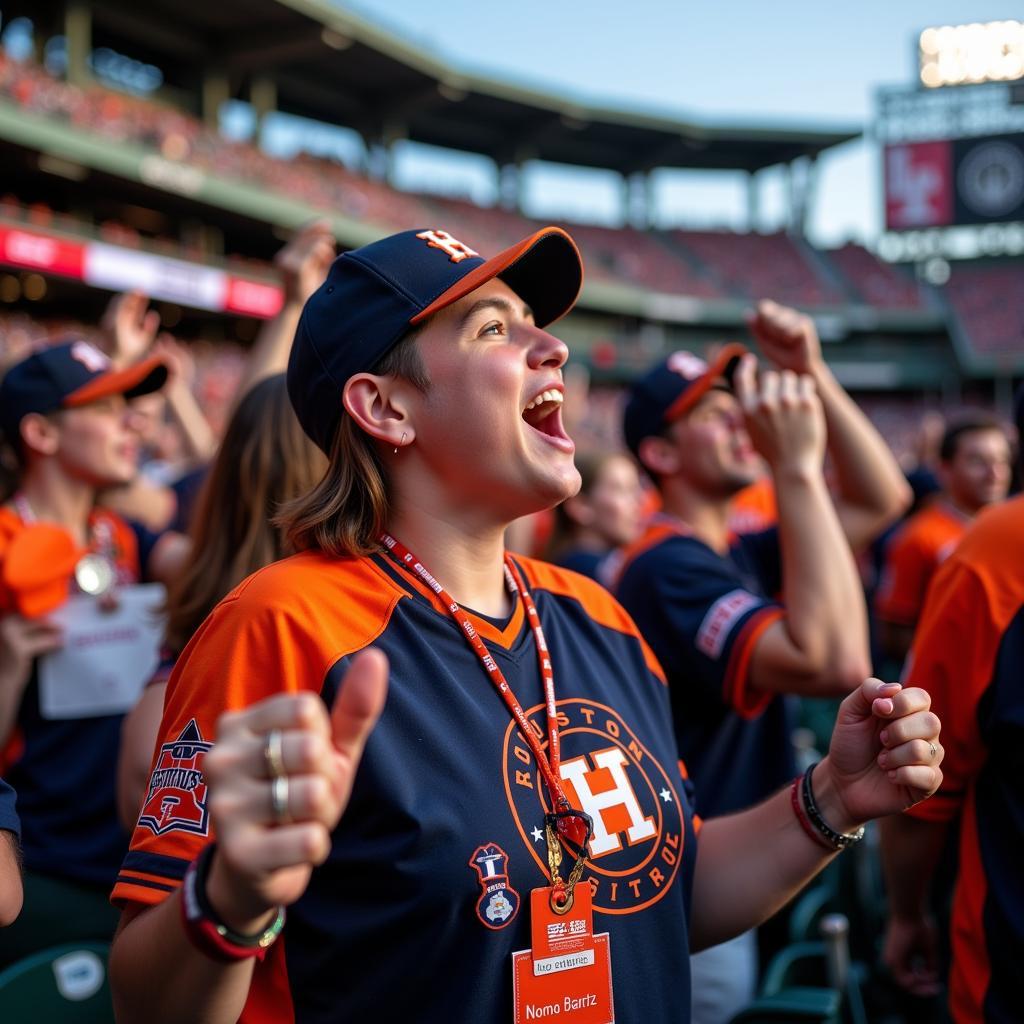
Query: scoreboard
(953, 154)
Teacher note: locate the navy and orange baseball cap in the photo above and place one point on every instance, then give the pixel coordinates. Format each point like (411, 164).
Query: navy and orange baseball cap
(69, 375)
(671, 389)
(375, 295)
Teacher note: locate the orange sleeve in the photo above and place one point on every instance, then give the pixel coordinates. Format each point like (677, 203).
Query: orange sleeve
(746, 700)
(279, 632)
(599, 604)
(953, 658)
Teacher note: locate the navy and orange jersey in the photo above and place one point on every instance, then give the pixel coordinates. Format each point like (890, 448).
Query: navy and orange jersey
(968, 653)
(65, 770)
(8, 811)
(702, 613)
(755, 508)
(425, 894)
(920, 546)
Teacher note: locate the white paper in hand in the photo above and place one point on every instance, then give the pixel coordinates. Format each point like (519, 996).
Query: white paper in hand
(107, 657)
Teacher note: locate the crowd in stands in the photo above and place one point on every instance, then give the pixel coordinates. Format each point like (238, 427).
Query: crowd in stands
(874, 282)
(986, 301)
(701, 264)
(595, 420)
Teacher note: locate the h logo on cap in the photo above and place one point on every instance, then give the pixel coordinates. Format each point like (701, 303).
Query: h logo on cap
(89, 356)
(457, 251)
(687, 365)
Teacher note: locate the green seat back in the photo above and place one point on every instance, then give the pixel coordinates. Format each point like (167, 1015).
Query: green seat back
(65, 983)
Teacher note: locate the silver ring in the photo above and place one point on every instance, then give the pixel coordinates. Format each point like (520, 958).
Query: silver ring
(279, 798)
(273, 754)
(932, 751)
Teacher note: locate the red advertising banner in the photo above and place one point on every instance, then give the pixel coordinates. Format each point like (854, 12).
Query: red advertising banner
(118, 269)
(253, 298)
(36, 251)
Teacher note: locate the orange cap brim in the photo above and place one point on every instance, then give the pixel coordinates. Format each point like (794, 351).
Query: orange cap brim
(140, 379)
(723, 366)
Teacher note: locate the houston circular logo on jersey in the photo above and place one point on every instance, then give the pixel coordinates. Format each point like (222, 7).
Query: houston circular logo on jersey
(637, 846)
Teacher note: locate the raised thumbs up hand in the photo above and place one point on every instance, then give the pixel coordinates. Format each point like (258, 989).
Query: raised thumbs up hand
(280, 776)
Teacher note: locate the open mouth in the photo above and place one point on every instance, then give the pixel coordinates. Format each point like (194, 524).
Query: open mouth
(544, 414)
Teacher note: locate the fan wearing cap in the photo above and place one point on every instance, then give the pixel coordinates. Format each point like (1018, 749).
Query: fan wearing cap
(500, 690)
(65, 416)
(740, 621)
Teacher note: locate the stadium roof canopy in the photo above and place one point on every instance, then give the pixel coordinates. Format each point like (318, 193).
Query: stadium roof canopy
(329, 64)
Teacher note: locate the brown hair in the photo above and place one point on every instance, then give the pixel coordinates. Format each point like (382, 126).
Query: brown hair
(973, 422)
(345, 513)
(264, 459)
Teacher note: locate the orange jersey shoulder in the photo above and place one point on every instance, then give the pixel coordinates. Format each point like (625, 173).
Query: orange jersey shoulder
(597, 602)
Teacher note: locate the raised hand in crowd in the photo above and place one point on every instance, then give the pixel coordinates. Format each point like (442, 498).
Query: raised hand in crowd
(305, 260)
(871, 491)
(787, 338)
(273, 805)
(303, 264)
(199, 439)
(131, 327)
(783, 415)
(884, 757)
(265, 853)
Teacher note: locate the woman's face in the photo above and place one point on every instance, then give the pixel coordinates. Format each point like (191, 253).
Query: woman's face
(489, 427)
(99, 442)
(616, 501)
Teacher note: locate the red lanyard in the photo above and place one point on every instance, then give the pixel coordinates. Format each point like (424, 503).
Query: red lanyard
(572, 825)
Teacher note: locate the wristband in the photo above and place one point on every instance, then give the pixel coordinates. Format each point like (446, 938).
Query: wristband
(204, 928)
(836, 840)
(805, 822)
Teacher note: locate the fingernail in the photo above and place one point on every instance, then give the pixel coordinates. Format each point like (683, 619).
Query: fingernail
(885, 706)
(884, 735)
(883, 759)
(892, 776)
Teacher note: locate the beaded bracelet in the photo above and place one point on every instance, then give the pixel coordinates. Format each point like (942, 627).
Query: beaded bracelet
(204, 928)
(835, 840)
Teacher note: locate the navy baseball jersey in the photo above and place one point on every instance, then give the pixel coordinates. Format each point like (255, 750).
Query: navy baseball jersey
(65, 770)
(8, 813)
(580, 560)
(968, 652)
(425, 894)
(702, 613)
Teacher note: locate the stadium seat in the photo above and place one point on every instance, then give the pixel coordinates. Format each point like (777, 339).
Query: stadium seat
(794, 1006)
(808, 909)
(65, 983)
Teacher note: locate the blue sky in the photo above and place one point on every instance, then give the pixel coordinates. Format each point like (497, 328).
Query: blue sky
(790, 61)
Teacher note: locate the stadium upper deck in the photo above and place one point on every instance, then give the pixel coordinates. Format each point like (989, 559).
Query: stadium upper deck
(172, 165)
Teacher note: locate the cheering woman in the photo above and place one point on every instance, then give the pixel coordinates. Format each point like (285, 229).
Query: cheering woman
(402, 775)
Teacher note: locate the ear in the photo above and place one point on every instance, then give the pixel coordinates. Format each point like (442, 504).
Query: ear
(381, 407)
(39, 434)
(658, 456)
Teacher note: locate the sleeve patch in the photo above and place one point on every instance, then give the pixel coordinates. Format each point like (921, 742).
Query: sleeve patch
(177, 793)
(720, 619)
